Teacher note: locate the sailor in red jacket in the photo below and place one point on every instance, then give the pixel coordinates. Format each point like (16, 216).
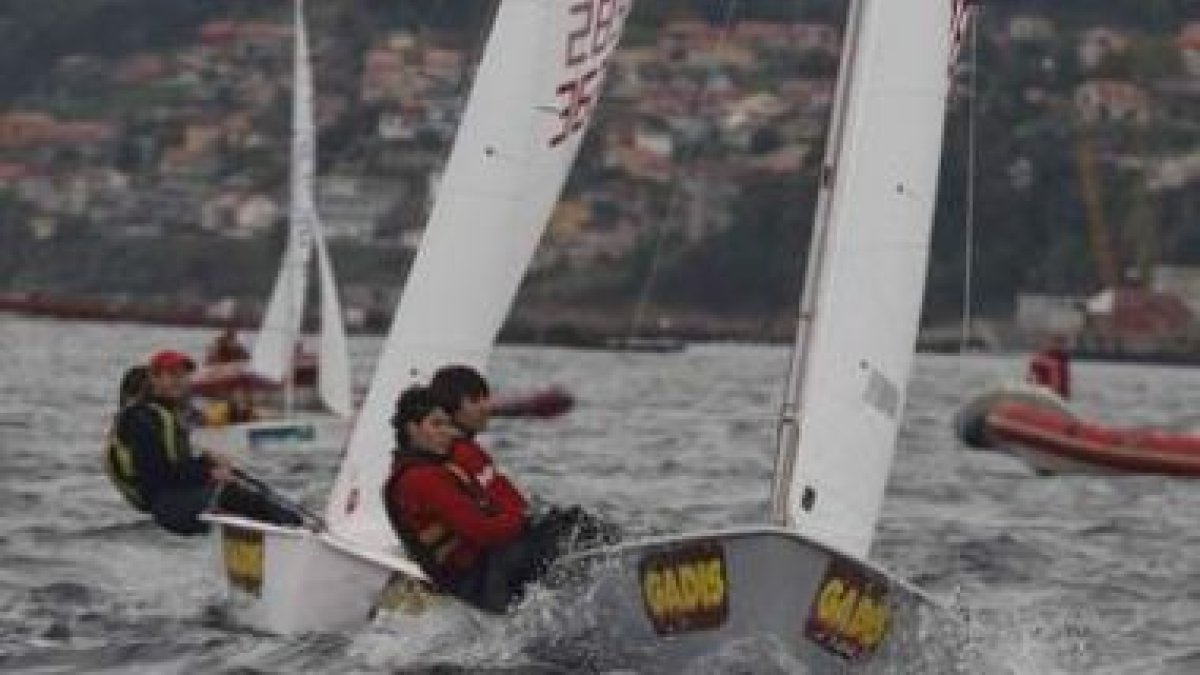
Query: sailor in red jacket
(471, 545)
(463, 393)
(1051, 368)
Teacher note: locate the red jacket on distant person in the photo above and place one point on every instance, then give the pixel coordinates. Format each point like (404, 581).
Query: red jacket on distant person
(443, 516)
(468, 454)
(1051, 369)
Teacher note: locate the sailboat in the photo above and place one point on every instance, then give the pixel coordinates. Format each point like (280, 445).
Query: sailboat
(273, 363)
(537, 83)
(801, 579)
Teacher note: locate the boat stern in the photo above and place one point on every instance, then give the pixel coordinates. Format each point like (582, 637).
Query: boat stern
(290, 580)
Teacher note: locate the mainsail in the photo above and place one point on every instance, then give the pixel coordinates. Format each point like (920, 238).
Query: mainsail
(866, 274)
(539, 78)
(280, 332)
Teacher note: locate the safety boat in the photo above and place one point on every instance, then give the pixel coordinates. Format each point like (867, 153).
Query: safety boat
(544, 403)
(1034, 424)
(800, 580)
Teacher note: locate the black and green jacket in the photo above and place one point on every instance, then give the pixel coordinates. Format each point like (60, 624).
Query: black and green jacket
(149, 453)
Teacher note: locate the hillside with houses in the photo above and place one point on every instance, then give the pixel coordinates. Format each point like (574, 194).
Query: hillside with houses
(153, 161)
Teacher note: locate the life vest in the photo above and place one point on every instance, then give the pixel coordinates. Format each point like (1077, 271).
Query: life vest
(431, 542)
(466, 452)
(118, 457)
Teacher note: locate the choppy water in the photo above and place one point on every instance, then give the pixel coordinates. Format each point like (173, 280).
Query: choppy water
(1056, 575)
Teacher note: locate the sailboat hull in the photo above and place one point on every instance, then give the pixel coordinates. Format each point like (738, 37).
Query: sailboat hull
(681, 600)
(298, 432)
(288, 580)
(672, 602)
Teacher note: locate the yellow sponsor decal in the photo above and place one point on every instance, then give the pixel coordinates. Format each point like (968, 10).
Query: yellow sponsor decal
(686, 588)
(850, 615)
(243, 553)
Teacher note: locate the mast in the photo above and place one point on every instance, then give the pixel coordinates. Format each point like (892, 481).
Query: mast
(275, 348)
(860, 309)
(300, 162)
(788, 436)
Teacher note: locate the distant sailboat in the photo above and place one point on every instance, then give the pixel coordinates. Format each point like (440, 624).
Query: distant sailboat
(273, 363)
(534, 92)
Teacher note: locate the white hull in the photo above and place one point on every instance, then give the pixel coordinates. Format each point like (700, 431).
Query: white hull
(298, 433)
(668, 602)
(676, 601)
(288, 580)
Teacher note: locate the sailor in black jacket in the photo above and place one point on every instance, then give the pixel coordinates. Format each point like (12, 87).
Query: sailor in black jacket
(152, 461)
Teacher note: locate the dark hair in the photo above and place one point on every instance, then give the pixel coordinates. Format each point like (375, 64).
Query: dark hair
(451, 385)
(135, 384)
(414, 405)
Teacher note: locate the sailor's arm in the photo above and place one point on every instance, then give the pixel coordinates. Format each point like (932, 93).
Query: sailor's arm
(464, 516)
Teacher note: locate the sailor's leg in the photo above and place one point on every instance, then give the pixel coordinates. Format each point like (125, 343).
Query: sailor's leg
(482, 587)
(179, 511)
(508, 570)
(236, 499)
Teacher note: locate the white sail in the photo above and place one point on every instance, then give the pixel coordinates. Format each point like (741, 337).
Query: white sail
(539, 78)
(280, 331)
(333, 374)
(859, 316)
(272, 354)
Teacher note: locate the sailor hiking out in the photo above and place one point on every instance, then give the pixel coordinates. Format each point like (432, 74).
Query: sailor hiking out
(466, 396)
(150, 460)
(475, 542)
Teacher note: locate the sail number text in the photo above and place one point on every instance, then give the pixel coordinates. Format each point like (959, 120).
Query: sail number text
(593, 29)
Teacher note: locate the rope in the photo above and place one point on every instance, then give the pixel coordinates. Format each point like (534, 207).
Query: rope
(643, 299)
(972, 153)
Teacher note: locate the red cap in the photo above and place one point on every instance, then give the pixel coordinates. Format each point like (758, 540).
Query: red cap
(169, 359)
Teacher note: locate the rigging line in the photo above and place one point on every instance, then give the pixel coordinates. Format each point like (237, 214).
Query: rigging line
(972, 157)
(643, 300)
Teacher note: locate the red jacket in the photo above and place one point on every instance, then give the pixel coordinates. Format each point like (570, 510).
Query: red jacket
(443, 516)
(1051, 368)
(468, 454)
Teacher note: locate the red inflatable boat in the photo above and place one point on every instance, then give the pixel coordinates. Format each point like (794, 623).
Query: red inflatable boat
(1040, 429)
